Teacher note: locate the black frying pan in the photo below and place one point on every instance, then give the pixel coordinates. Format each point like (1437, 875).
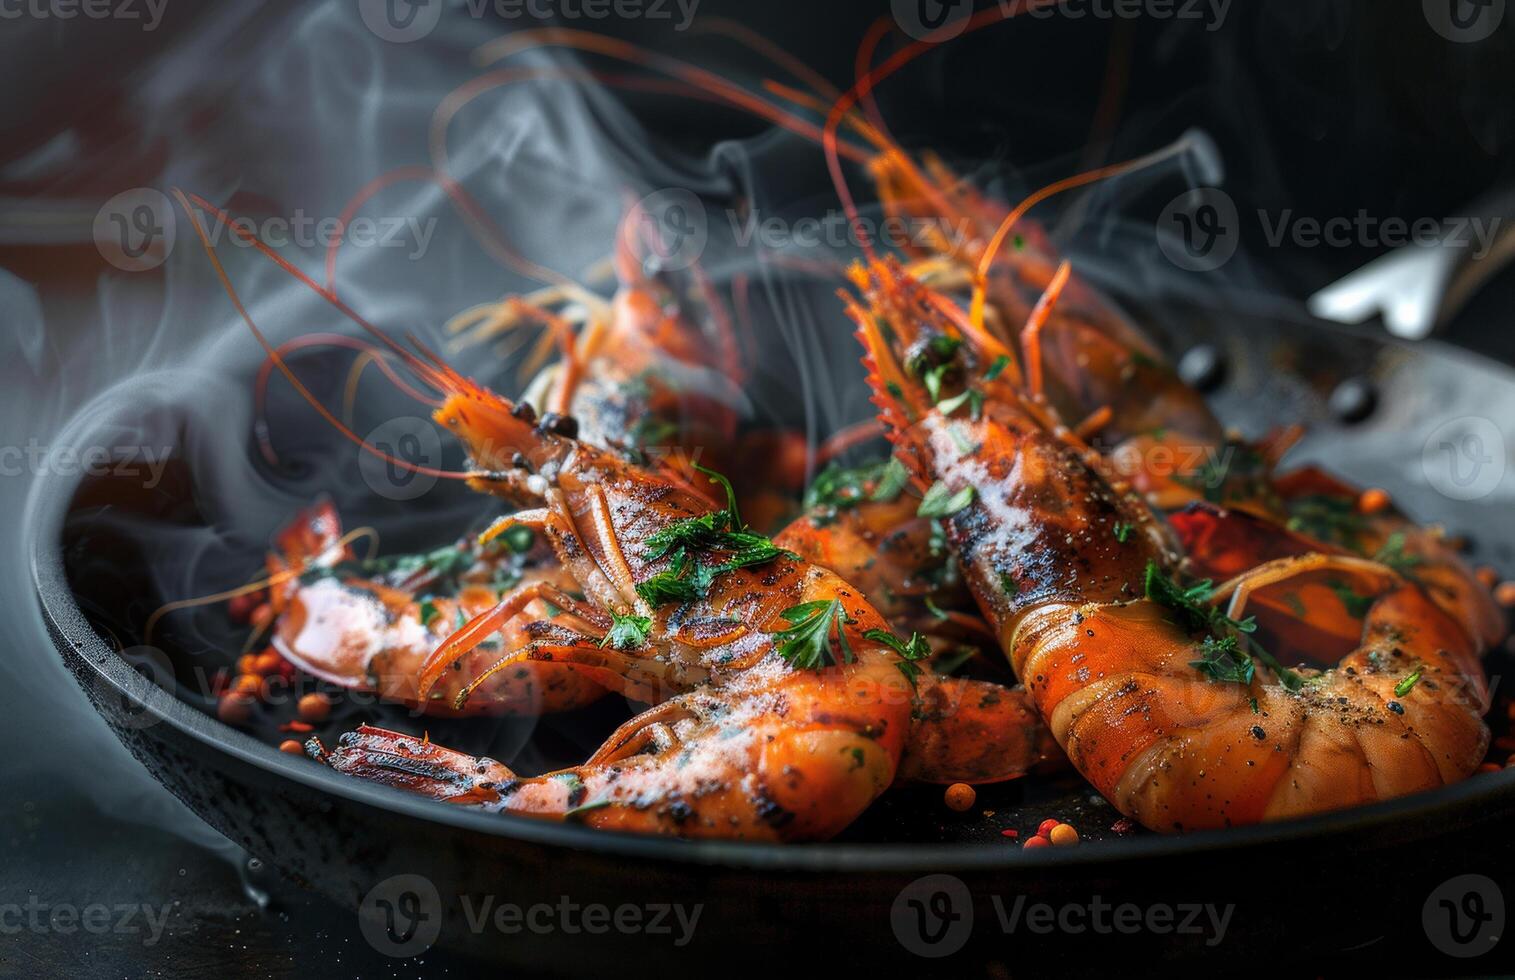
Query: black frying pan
(1355, 885)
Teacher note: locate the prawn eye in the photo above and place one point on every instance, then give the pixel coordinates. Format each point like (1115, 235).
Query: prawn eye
(563, 425)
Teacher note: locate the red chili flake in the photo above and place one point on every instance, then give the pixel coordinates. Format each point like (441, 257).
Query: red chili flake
(296, 726)
(1124, 825)
(1010, 833)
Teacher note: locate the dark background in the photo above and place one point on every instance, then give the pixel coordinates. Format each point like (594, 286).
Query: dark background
(1324, 107)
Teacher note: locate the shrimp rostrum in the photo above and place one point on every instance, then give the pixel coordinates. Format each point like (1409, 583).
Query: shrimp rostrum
(1157, 687)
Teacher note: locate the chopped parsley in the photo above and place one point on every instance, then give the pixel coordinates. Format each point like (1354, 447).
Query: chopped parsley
(971, 397)
(627, 632)
(838, 488)
(807, 642)
(940, 502)
(997, 367)
(428, 611)
(911, 651)
(720, 531)
(1327, 518)
(1238, 472)
(934, 363)
(1122, 532)
(1357, 606)
(1220, 660)
(1394, 555)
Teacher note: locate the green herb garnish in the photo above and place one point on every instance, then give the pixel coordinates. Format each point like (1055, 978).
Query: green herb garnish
(1196, 615)
(1357, 606)
(1122, 532)
(837, 488)
(720, 531)
(971, 397)
(1394, 555)
(1408, 684)
(910, 651)
(941, 502)
(627, 632)
(1326, 518)
(1239, 473)
(807, 643)
(1221, 660)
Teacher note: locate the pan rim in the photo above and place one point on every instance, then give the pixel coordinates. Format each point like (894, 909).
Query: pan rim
(70, 631)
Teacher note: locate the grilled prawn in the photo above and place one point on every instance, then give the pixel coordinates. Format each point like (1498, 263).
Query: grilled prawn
(369, 626)
(1154, 687)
